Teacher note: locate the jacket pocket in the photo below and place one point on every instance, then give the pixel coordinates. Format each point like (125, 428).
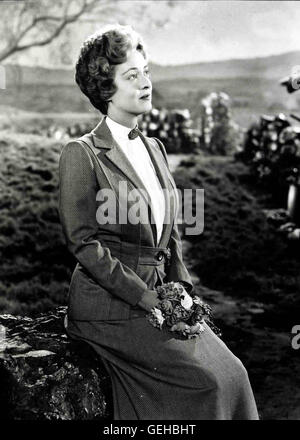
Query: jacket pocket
(88, 301)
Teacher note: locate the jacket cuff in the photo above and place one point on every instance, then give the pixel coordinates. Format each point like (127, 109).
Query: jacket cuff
(136, 297)
(188, 287)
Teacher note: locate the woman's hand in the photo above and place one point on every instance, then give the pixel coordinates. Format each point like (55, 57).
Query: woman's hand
(188, 330)
(149, 300)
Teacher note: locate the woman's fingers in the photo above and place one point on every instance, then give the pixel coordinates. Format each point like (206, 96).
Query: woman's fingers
(179, 326)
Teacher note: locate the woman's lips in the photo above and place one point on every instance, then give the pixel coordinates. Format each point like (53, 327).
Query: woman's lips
(146, 97)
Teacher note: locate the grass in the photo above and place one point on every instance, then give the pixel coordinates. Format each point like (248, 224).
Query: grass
(34, 274)
(239, 252)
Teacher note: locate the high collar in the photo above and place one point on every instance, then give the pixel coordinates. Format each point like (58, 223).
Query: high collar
(118, 130)
(102, 136)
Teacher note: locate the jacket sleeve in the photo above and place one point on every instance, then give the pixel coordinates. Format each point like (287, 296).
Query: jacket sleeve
(77, 212)
(177, 270)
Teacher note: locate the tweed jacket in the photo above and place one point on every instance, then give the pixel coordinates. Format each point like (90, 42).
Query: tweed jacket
(117, 261)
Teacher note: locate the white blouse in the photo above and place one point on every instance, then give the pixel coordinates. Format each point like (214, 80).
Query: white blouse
(138, 156)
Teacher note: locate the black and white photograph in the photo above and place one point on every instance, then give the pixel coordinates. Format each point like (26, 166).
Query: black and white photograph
(149, 213)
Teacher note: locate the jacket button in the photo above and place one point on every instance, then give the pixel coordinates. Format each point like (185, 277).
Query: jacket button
(160, 255)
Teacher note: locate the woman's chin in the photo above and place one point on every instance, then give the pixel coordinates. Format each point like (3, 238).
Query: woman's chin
(146, 106)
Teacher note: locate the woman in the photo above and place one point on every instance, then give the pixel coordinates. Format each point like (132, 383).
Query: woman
(155, 374)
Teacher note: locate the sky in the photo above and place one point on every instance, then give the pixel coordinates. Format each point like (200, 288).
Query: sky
(202, 31)
(218, 30)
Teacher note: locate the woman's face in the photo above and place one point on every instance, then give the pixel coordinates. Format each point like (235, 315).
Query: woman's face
(134, 89)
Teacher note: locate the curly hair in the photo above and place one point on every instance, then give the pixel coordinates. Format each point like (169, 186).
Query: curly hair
(99, 54)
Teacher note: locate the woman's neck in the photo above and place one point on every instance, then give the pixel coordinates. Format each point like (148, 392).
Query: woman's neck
(127, 120)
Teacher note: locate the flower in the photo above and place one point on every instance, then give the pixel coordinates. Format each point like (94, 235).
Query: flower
(186, 301)
(166, 306)
(180, 312)
(156, 317)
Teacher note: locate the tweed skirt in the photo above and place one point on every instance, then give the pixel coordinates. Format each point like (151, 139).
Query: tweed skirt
(159, 375)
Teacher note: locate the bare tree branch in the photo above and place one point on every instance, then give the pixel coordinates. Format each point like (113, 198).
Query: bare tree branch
(15, 43)
(34, 24)
(19, 18)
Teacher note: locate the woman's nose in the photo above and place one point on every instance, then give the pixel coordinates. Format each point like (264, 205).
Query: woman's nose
(145, 82)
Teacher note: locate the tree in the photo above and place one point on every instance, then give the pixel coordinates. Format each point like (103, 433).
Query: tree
(39, 22)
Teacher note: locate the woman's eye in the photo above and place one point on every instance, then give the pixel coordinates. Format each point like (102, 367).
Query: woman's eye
(133, 75)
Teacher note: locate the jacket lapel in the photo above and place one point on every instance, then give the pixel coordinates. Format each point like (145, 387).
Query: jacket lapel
(161, 171)
(104, 140)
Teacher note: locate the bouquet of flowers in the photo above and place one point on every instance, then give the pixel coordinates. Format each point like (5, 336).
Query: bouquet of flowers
(180, 312)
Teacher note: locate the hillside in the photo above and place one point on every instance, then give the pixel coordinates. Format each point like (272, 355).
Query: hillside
(271, 67)
(33, 273)
(253, 85)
